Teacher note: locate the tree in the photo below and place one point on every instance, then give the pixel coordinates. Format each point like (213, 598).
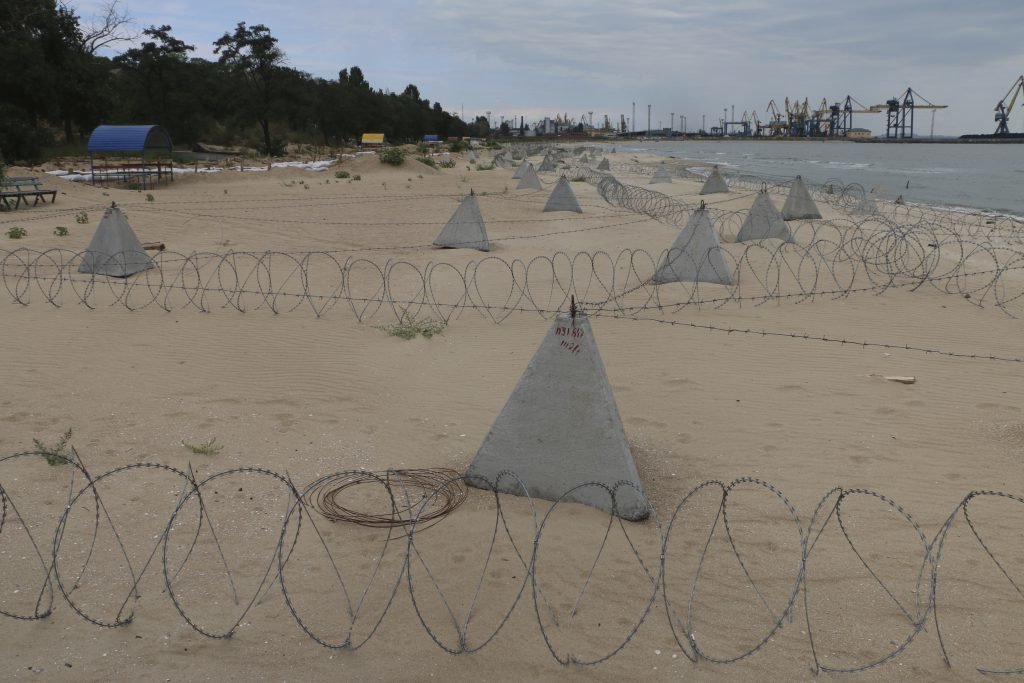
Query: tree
(109, 26)
(159, 65)
(251, 55)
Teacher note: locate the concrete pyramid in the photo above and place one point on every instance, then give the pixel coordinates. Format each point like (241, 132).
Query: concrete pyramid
(584, 159)
(561, 428)
(465, 229)
(563, 198)
(715, 183)
(799, 203)
(661, 176)
(764, 222)
(529, 180)
(115, 249)
(521, 170)
(604, 165)
(696, 255)
(546, 165)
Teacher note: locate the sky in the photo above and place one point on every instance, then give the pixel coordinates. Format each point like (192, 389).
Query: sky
(692, 58)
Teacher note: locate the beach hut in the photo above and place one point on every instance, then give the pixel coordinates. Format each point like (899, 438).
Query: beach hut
(562, 198)
(799, 204)
(372, 140)
(696, 255)
(561, 428)
(764, 222)
(529, 181)
(465, 229)
(130, 154)
(715, 183)
(114, 249)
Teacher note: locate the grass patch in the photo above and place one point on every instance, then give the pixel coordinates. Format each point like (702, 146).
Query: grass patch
(60, 231)
(150, 198)
(57, 453)
(342, 174)
(409, 327)
(394, 156)
(210, 448)
(16, 233)
(82, 218)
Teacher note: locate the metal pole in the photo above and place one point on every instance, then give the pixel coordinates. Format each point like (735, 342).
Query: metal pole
(634, 119)
(648, 120)
(672, 122)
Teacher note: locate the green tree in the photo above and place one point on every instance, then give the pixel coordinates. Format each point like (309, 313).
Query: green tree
(159, 68)
(251, 55)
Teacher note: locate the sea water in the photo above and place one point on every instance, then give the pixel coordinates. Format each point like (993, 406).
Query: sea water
(985, 177)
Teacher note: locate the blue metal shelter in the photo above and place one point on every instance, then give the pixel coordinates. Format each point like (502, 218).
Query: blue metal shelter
(135, 141)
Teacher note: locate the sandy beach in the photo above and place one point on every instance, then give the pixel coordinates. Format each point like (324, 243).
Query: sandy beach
(308, 382)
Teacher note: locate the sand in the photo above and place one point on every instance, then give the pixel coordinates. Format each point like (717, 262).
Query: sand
(304, 395)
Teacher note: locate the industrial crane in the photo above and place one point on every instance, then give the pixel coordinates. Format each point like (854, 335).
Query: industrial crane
(900, 111)
(845, 113)
(775, 125)
(1003, 110)
(797, 115)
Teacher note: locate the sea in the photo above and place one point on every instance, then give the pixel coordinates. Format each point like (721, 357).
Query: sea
(966, 177)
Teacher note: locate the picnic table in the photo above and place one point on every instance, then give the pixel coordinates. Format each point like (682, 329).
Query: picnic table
(23, 188)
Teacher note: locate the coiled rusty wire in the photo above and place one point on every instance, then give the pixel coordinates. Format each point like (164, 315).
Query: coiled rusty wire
(407, 489)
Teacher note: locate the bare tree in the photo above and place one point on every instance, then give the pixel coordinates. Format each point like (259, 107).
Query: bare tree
(110, 25)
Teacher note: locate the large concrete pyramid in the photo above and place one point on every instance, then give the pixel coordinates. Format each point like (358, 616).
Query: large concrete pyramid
(561, 428)
(715, 183)
(764, 222)
(604, 165)
(563, 198)
(115, 249)
(529, 181)
(661, 176)
(465, 229)
(546, 165)
(521, 170)
(696, 255)
(799, 203)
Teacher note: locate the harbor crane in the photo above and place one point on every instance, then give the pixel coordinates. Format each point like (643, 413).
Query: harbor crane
(776, 125)
(900, 110)
(1003, 110)
(846, 111)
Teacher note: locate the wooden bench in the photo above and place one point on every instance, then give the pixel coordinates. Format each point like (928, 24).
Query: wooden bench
(21, 188)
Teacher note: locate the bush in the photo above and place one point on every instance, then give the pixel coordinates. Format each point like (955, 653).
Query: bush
(82, 217)
(60, 231)
(457, 146)
(392, 155)
(342, 174)
(446, 163)
(428, 161)
(16, 233)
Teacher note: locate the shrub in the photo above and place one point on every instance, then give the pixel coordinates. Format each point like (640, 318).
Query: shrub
(82, 218)
(55, 455)
(446, 163)
(392, 155)
(150, 198)
(60, 231)
(357, 177)
(428, 161)
(342, 174)
(209, 448)
(457, 146)
(408, 327)
(16, 233)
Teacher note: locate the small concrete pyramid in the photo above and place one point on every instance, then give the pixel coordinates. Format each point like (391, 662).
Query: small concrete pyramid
(115, 250)
(715, 183)
(465, 229)
(799, 203)
(584, 159)
(696, 255)
(661, 176)
(529, 181)
(546, 165)
(520, 171)
(563, 198)
(561, 428)
(604, 165)
(764, 222)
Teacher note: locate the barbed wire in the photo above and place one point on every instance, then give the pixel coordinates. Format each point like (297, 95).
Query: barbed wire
(743, 539)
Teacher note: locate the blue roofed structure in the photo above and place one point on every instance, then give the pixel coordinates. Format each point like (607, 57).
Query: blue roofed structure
(148, 142)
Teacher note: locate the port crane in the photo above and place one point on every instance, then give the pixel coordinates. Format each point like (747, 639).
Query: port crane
(844, 114)
(775, 125)
(1003, 110)
(900, 110)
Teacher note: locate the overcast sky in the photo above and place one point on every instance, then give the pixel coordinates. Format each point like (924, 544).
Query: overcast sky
(690, 57)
